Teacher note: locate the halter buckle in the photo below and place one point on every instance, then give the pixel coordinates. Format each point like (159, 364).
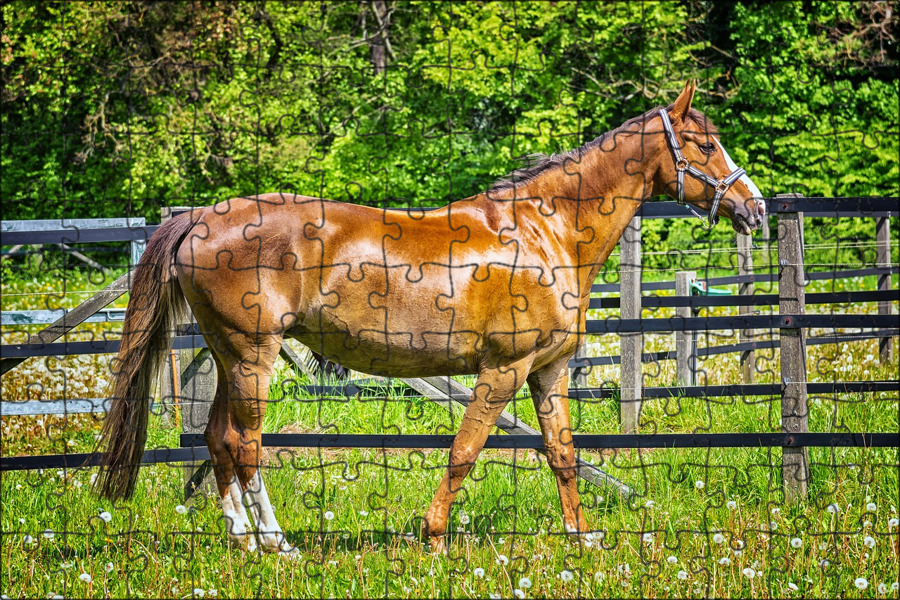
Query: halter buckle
(682, 164)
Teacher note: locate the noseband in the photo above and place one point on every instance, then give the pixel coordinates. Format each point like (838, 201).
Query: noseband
(682, 165)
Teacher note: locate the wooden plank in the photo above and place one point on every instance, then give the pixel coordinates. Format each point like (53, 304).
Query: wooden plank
(883, 259)
(444, 390)
(794, 407)
(74, 317)
(631, 343)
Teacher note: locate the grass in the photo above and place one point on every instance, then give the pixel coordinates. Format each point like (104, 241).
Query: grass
(703, 523)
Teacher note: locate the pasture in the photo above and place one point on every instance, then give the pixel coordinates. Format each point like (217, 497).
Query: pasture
(703, 522)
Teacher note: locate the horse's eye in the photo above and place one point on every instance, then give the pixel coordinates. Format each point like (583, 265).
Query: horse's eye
(707, 148)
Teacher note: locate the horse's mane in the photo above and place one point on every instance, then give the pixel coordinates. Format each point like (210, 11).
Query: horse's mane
(541, 163)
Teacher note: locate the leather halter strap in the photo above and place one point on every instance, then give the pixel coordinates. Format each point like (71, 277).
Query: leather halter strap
(682, 166)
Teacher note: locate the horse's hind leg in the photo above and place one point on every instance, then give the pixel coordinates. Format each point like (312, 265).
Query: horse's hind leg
(549, 391)
(240, 432)
(237, 523)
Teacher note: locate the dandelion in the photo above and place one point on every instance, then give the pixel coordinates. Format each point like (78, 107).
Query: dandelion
(329, 516)
(776, 511)
(85, 577)
(479, 573)
(861, 583)
(882, 588)
(464, 519)
(647, 537)
(793, 587)
(869, 541)
(871, 507)
(738, 553)
(364, 513)
(518, 593)
(893, 523)
(731, 504)
(749, 573)
(724, 561)
(525, 583)
(106, 516)
(824, 563)
(494, 596)
(21, 521)
(213, 593)
(699, 484)
(109, 567)
(796, 542)
(895, 586)
(199, 592)
(28, 539)
(718, 538)
(503, 560)
(566, 576)
(682, 575)
(181, 509)
(833, 509)
(649, 504)
(599, 576)
(672, 560)
(48, 533)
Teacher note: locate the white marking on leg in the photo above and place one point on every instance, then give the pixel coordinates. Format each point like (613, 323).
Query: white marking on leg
(271, 537)
(754, 191)
(237, 525)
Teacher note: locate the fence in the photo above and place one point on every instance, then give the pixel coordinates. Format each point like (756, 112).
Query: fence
(194, 385)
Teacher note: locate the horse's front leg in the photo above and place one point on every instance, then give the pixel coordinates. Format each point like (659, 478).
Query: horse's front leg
(550, 393)
(493, 391)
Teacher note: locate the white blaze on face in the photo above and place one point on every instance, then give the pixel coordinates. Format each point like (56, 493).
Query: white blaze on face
(754, 191)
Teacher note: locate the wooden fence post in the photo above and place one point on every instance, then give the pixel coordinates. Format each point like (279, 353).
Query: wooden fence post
(631, 343)
(745, 267)
(883, 260)
(684, 340)
(792, 301)
(198, 389)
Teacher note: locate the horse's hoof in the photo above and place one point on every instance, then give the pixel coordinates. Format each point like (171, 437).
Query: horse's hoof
(437, 545)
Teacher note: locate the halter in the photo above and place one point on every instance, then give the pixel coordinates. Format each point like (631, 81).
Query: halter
(682, 165)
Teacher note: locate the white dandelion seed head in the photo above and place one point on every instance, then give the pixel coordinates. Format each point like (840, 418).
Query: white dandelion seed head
(793, 587)
(895, 586)
(464, 519)
(796, 542)
(567, 576)
(478, 572)
(86, 577)
(213, 593)
(861, 583)
(329, 516)
(882, 588)
(199, 592)
(525, 583)
(699, 484)
(49, 534)
(109, 567)
(181, 509)
(871, 506)
(869, 541)
(682, 575)
(738, 553)
(28, 539)
(494, 596)
(725, 561)
(672, 560)
(519, 593)
(893, 523)
(503, 560)
(649, 504)
(824, 563)
(718, 538)
(731, 504)
(749, 573)
(833, 508)
(106, 516)
(647, 538)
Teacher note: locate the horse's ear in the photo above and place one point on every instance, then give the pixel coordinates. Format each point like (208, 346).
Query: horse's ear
(683, 104)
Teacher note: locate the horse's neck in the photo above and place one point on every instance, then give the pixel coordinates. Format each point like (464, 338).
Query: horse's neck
(613, 180)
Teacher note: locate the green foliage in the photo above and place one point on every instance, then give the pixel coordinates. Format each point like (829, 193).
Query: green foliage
(117, 109)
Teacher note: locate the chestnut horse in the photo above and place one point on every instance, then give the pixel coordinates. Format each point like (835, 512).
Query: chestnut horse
(495, 285)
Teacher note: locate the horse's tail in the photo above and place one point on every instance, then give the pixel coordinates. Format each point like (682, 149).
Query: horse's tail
(155, 305)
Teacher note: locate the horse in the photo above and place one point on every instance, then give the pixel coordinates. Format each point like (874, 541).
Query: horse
(496, 285)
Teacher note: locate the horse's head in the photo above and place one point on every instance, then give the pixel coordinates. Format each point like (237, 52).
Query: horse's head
(695, 168)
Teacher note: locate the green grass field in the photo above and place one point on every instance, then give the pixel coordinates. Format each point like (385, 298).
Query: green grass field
(703, 523)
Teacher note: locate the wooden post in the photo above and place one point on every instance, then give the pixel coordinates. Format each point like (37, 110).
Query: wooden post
(198, 389)
(792, 301)
(631, 343)
(745, 267)
(883, 259)
(578, 375)
(684, 340)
